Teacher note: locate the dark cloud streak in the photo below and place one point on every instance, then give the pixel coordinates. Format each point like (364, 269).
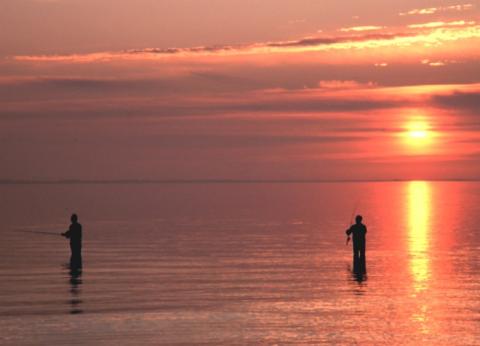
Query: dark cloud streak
(462, 101)
(314, 41)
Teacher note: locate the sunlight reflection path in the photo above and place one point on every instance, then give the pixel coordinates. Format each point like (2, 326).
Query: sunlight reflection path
(419, 213)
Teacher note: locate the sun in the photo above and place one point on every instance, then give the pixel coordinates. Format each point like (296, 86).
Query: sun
(418, 134)
(418, 130)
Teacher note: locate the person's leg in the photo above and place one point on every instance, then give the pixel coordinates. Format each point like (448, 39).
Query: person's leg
(72, 253)
(356, 263)
(362, 258)
(76, 259)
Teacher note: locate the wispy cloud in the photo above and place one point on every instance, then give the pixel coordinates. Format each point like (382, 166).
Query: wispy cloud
(433, 63)
(218, 49)
(255, 48)
(433, 10)
(247, 141)
(332, 41)
(362, 28)
(296, 21)
(421, 34)
(344, 84)
(441, 24)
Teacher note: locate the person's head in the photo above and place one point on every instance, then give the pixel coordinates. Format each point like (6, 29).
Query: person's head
(358, 219)
(74, 218)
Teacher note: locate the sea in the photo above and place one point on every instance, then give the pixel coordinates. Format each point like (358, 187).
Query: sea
(240, 263)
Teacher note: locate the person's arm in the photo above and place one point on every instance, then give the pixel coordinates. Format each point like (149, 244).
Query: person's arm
(349, 231)
(68, 234)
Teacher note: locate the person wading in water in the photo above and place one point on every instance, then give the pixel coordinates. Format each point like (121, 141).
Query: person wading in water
(358, 230)
(74, 233)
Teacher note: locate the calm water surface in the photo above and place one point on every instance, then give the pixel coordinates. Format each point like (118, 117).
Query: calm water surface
(241, 264)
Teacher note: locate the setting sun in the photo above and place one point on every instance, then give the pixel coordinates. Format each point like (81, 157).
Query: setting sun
(418, 129)
(418, 133)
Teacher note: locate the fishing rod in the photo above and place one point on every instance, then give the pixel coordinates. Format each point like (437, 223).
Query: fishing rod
(351, 219)
(37, 232)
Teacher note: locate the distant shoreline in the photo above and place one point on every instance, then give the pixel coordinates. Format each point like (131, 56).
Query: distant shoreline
(214, 181)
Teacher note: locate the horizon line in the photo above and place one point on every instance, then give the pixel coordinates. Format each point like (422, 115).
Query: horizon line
(213, 181)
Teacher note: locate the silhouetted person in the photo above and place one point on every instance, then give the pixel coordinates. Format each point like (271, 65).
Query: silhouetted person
(358, 232)
(74, 233)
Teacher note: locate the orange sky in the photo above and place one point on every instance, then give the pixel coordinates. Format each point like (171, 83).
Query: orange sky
(248, 90)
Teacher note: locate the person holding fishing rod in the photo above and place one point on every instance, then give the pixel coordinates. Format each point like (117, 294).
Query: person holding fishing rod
(74, 233)
(358, 232)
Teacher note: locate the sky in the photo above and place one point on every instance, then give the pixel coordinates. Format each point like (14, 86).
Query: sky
(239, 89)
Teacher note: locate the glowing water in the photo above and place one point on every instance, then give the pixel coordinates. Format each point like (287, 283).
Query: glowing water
(241, 263)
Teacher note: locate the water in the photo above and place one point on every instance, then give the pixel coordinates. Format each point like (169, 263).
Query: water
(241, 264)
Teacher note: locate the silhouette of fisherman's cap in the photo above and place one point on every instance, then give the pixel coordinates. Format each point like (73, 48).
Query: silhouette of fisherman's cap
(74, 218)
(358, 218)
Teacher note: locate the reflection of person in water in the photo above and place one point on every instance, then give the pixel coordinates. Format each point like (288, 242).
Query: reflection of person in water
(74, 233)
(75, 282)
(358, 232)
